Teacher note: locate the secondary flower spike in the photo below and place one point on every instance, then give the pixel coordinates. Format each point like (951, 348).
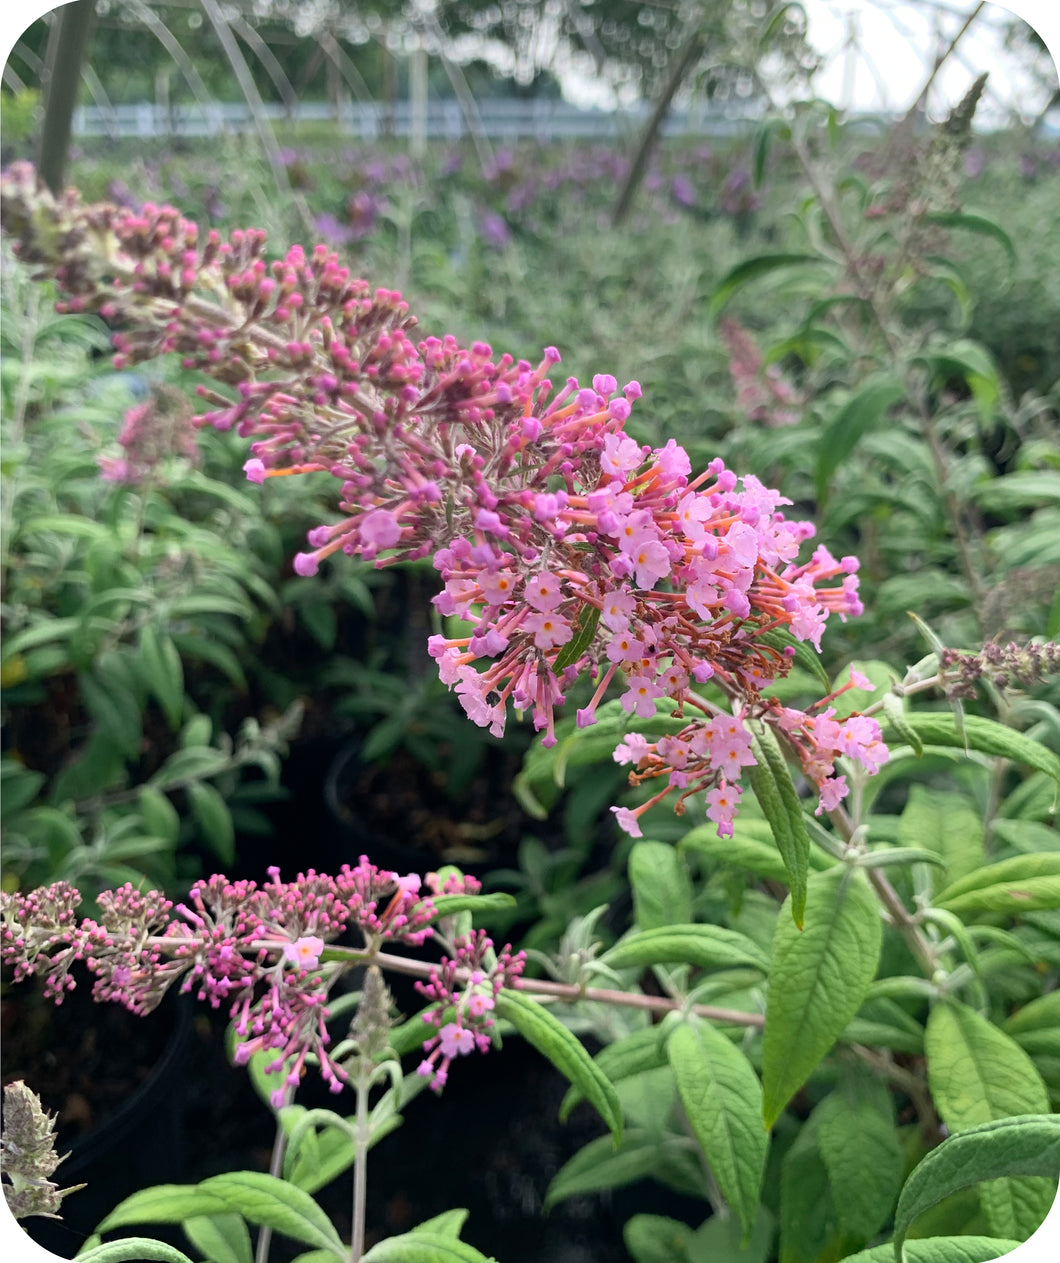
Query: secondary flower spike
(570, 548)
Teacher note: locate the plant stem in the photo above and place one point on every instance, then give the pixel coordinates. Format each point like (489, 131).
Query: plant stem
(902, 920)
(279, 1147)
(360, 1174)
(569, 992)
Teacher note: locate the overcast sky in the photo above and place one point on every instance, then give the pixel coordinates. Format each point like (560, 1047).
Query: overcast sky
(877, 52)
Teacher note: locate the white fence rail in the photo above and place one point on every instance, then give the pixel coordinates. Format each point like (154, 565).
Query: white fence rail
(543, 120)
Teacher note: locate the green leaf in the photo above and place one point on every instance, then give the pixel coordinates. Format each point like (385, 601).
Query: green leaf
(656, 1239)
(805, 656)
(720, 1241)
(972, 362)
(214, 819)
(1017, 491)
(1022, 1145)
(662, 892)
(635, 1053)
(134, 1250)
(775, 791)
(220, 1238)
(722, 1097)
(189, 765)
(978, 1074)
(751, 847)
(948, 825)
(448, 905)
(1041, 1016)
(862, 412)
(751, 269)
(423, 1247)
(163, 673)
(859, 1147)
(584, 631)
(556, 1043)
(970, 222)
(158, 813)
(818, 979)
(707, 946)
(939, 1250)
(985, 735)
(265, 1200)
(810, 1228)
(20, 786)
(163, 1204)
(1023, 883)
(116, 712)
(449, 1223)
(640, 1155)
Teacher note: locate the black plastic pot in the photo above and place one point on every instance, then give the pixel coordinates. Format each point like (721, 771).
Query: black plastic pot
(139, 1144)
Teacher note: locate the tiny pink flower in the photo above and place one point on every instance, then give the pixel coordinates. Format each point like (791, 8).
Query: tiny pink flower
(455, 1040)
(304, 952)
(380, 528)
(627, 820)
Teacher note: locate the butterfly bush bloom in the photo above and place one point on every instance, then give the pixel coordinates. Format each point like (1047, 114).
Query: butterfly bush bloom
(571, 548)
(254, 950)
(463, 991)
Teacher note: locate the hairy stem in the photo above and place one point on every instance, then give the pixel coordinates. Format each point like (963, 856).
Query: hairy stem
(360, 1174)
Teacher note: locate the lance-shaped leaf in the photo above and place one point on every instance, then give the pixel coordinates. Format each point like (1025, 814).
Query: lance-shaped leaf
(163, 1204)
(220, 1238)
(639, 1051)
(750, 269)
(858, 1144)
(817, 981)
(662, 891)
(948, 825)
(265, 1200)
(582, 638)
(863, 411)
(134, 1250)
(773, 787)
(985, 735)
(751, 847)
(723, 1100)
(555, 1042)
(939, 1250)
(424, 1247)
(640, 1155)
(1024, 1145)
(978, 1074)
(447, 905)
(708, 946)
(1020, 884)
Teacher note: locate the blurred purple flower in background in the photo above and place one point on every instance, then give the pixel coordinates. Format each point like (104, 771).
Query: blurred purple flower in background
(494, 230)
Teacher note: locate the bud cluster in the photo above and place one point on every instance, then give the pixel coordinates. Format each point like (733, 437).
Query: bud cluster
(1005, 666)
(569, 547)
(27, 1156)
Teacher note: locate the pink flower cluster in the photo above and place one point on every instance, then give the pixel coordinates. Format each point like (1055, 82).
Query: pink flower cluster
(152, 432)
(569, 548)
(255, 949)
(464, 992)
(710, 753)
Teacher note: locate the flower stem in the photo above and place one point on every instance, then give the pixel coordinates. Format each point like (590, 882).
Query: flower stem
(360, 1174)
(279, 1147)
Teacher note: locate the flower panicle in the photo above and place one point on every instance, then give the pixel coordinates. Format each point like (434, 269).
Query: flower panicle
(463, 992)
(571, 548)
(257, 950)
